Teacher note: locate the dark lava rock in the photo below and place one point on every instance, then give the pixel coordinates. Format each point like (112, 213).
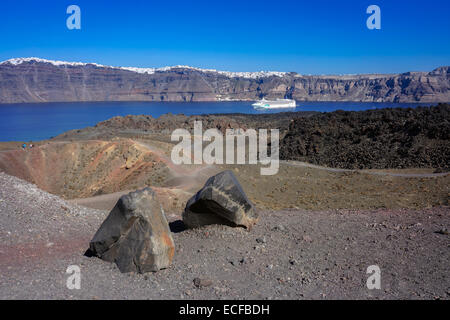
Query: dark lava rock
(221, 201)
(385, 138)
(135, 235)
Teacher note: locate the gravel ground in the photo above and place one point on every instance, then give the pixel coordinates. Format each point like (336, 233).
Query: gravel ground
(290, 254)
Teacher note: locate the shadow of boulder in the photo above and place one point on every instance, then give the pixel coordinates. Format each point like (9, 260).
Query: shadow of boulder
(177, 226)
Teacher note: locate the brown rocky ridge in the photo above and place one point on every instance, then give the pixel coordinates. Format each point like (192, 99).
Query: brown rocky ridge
(38, 80)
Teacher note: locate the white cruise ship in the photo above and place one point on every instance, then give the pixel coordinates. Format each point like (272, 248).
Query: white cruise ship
(274, 104)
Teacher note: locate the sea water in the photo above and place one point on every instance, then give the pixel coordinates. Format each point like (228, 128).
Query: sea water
(39, 121)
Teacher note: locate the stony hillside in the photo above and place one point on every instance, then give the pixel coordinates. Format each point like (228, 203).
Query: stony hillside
(385, 138)
(289, 254)
(37, 80)
(82, 169)
(374, 139)
(136, 126)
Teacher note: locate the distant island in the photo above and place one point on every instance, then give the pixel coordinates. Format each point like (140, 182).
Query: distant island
(25, 80)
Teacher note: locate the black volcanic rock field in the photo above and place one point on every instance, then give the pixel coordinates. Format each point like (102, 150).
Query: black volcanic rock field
(386, 138)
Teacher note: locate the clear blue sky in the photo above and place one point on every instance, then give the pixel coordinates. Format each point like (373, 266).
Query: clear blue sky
(309, 37)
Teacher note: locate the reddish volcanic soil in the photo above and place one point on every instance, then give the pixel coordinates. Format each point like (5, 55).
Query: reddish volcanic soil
(85, 168)
(288, 254)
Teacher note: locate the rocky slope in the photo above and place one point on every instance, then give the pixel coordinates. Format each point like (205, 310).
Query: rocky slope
(82, 169)
(373, 139)
(290, 254)
(385, 138)
(137, 126)
(39, 80)
(98, 170)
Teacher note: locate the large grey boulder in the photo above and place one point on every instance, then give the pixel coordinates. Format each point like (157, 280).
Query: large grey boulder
(221, 201)
(135, 235)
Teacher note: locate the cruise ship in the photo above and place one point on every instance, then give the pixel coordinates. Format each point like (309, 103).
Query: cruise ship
(274, 104)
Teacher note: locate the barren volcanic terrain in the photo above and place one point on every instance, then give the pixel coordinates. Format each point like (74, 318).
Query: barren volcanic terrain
(85, 168)
(289, 254)
(320, 225)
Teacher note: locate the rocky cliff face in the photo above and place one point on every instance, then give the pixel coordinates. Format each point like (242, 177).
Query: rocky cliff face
(38, 80)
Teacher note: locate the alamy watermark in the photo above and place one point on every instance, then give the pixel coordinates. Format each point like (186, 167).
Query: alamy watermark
(74, 280)
(374, 280)
(74, 20)
(374, 20)
(213, 153)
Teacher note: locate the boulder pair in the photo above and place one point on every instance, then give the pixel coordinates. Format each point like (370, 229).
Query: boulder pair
(137, 237)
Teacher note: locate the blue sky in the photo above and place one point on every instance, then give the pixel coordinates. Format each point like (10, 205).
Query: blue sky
(309, 37)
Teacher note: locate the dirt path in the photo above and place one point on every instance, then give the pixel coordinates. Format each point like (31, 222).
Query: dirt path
(310, 186)
(185, 177)
(392, 174)
(177, 169)
(184, 181)
(101, 202)
(192, 171)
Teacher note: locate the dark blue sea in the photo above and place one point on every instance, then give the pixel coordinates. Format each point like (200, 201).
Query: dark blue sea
(39, 121)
